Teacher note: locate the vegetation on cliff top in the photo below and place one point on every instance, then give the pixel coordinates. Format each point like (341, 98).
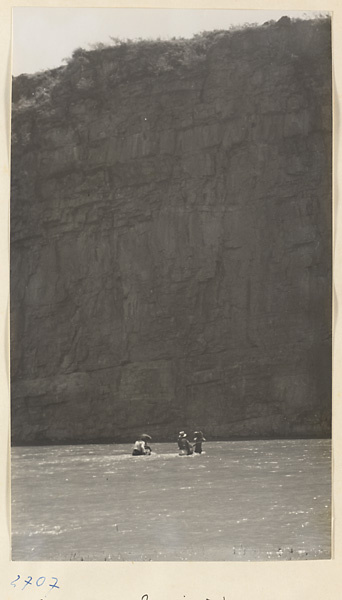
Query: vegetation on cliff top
(136, 59)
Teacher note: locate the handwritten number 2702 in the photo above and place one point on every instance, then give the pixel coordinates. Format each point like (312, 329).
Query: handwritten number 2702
(40, 581)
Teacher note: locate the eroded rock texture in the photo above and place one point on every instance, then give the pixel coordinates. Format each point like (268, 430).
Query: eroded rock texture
(171, 239)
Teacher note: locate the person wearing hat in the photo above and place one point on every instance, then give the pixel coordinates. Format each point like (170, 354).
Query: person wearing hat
(180, 440)
(184, 444)
(198, 439)
(141, 446)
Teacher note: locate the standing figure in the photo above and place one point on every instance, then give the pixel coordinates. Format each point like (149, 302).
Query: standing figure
(141, 446)
(183, 444)
(198, 439)
(180, 440)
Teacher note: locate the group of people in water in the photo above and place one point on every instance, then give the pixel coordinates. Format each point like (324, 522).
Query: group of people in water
(185, 447)
(142, 446)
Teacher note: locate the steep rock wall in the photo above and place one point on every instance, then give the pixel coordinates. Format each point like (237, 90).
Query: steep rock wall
(171, 239)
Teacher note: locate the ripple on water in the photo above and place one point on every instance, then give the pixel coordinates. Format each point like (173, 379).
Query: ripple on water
(171, 519)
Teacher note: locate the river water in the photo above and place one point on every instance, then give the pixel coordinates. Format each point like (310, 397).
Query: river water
(247, 501)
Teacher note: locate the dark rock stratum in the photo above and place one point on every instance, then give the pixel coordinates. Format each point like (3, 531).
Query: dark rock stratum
(171, 239)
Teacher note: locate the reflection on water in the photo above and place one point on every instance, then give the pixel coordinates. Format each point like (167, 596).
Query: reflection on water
(255, 500)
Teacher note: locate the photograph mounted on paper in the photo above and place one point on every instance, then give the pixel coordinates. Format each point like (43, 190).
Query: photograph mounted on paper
(171, 285)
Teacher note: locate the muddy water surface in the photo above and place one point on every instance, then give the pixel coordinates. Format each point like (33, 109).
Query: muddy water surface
(257, 500)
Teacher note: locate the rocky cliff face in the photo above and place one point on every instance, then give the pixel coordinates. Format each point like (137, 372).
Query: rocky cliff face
(171, 239)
